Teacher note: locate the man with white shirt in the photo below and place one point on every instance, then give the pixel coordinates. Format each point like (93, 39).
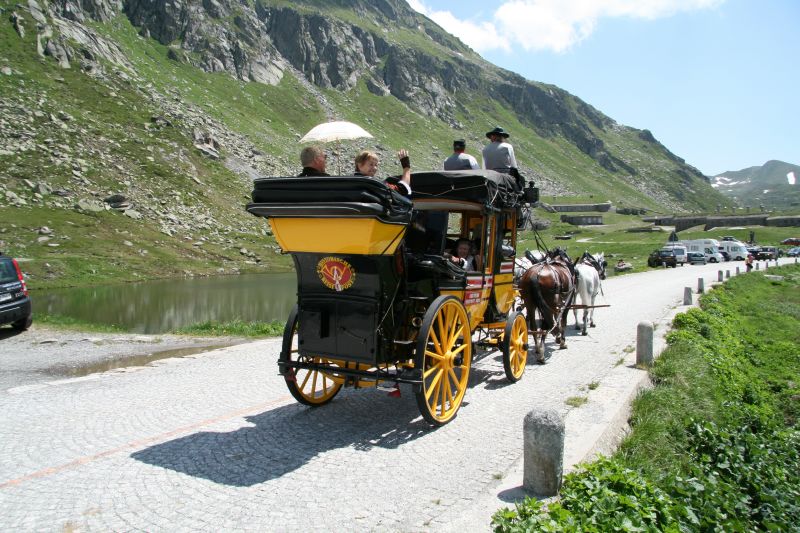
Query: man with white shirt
(459, 160)
(499, 154)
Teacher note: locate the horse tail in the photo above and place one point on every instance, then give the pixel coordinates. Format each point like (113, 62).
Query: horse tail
(535, 295)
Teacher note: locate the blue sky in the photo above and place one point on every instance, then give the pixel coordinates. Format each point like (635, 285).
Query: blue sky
(716, 81)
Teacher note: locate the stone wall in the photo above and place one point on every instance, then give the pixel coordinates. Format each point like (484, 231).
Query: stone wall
(582, 220)
(682, 223)
(730, 221)
(784, 221)
(579, 208)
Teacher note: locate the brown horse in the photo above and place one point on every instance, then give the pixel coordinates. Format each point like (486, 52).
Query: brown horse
(548, 288)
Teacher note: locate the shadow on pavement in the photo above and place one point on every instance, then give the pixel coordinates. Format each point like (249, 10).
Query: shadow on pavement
(286, 438)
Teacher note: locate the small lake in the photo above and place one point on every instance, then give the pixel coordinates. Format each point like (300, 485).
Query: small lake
(164, 305)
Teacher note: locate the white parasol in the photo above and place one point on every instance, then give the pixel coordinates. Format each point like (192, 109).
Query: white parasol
(338, 131)
(335, 131)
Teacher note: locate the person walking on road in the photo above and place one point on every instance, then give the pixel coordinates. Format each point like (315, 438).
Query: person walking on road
(459, 160)
(748, 262)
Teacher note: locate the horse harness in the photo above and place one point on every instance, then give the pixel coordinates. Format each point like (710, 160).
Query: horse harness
(589, 259)
(565, 296)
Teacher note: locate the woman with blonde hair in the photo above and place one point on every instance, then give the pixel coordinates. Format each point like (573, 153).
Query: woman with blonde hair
(367, 162)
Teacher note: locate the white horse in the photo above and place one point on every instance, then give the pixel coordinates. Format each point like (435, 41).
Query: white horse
(589, 270)
(522, 264)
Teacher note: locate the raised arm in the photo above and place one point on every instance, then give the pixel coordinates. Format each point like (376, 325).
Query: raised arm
(405, 162)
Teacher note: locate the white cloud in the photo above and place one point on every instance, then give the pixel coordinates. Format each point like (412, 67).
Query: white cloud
(479, 36)
(553, 25)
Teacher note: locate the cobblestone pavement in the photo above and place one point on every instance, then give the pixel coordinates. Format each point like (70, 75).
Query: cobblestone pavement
(214, 441)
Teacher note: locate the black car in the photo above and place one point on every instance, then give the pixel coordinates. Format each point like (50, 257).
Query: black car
(15, 304)
(767, 253)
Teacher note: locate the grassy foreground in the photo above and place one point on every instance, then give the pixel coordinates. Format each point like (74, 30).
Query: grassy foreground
(715, 444)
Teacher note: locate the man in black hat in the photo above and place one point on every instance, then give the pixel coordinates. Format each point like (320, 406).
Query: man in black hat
(459, 160)
(499, 154)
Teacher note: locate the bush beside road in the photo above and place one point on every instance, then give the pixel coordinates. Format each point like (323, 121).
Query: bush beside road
(715, 444)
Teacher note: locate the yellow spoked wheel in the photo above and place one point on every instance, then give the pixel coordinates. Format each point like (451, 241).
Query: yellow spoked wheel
(308, 386)
(444, 355)
(515, 346)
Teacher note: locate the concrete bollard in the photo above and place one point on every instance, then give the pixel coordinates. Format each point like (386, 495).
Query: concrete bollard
(644, 344)
(737, 271)
(795, 260)
(687, 296)
(756, 266)
(727, 274)
(719, 275)
(543, 452)
(700, 286)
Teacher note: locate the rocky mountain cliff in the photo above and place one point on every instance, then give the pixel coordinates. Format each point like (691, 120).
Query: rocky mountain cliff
(160, 112)
(774, 184)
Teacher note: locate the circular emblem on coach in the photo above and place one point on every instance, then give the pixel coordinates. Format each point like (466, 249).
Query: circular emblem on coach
(336, 273)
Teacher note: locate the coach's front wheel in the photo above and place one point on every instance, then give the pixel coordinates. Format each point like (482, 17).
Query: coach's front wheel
(515, 346)
(443, 356)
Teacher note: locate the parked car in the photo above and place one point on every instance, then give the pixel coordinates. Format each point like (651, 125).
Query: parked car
(793, 252)
(767, 253)
(791, 241)
(696, 258)
(15, 304)
(663, 256)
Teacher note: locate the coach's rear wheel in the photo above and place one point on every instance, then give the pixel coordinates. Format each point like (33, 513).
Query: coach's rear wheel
(308, 386)
(515, 346)
(444, 355)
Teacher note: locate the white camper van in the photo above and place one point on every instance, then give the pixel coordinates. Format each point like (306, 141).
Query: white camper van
(709, 247)
(679, 250)
(736, 250)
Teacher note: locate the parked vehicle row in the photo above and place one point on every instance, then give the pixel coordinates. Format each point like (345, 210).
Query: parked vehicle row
(716, 251)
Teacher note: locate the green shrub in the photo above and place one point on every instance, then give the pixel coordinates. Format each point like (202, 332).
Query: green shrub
(714, 445)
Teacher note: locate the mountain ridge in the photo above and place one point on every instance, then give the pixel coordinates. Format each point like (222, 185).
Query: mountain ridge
(175, 106)
(766, 185)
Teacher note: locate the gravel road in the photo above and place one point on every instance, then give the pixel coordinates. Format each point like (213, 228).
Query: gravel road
(213, 441)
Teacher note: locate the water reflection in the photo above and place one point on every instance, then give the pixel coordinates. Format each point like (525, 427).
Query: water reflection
(165, 305)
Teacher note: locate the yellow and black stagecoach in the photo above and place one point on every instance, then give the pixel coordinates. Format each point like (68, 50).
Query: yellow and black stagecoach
(379, 301)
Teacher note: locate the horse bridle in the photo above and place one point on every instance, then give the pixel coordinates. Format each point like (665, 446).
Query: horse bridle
(589, 259)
